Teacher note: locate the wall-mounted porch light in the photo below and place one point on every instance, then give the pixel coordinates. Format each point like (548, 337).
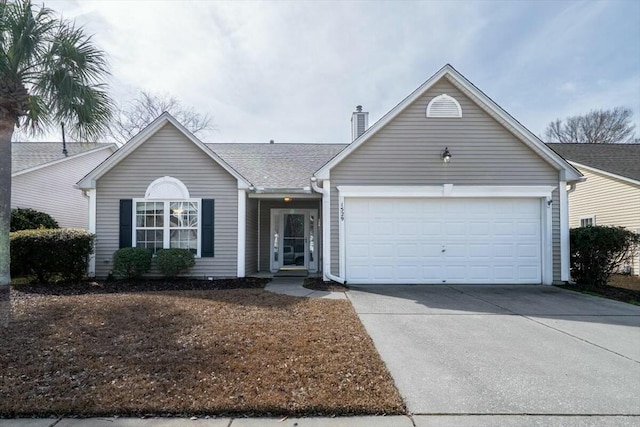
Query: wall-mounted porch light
(287, 199)
(446, 155)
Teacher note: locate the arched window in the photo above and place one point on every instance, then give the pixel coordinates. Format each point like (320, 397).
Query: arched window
(167, 188)
(167, 217)
(444, 106)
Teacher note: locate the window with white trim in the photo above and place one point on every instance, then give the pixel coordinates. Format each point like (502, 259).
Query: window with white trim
(167, 224)
(167, 217)
(588, 221)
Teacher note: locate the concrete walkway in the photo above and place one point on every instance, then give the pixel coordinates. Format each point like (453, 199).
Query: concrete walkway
(293, 286)
(391, 421)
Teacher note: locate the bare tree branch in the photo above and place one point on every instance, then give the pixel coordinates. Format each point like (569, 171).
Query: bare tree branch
(130, 118)
(595, 127)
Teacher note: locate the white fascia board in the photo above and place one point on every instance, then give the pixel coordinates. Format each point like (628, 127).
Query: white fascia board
(446, 190)
(64, 159)
(603, 172)
(89, 181)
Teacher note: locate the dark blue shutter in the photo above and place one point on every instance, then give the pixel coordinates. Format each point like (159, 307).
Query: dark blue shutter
(126, 214)
(207, 218)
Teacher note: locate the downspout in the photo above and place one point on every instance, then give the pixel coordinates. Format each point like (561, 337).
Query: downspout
(325, 229)
(565, 268)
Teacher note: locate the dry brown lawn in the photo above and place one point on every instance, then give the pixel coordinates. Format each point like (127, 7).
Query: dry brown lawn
(625, 281)
(213, 352)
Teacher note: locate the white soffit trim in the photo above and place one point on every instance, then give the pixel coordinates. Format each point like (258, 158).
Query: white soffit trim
(113, 147)
(603, 172)
(89, 181)
(446, 190)
(482, 100)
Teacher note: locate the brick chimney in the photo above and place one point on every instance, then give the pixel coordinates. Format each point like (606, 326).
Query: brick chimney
(359, 122)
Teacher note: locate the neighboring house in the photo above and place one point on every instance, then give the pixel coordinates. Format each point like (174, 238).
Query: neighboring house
(44, 179)
(445, 188)
(611, 194)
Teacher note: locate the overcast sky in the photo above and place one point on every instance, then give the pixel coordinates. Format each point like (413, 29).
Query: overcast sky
(294, 71)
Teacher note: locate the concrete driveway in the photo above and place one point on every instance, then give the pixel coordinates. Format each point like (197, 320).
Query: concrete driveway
(505, 349)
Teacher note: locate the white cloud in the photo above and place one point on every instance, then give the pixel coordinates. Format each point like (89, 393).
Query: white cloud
(293, 71)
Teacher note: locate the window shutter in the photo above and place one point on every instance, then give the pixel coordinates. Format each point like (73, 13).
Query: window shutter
(207, 221)
(126, 214)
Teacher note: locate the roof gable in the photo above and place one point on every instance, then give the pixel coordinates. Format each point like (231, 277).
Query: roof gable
(622, 160)
(568, 172)
(89, 181)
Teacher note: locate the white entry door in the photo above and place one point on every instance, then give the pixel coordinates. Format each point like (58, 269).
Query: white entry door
(436, 241)
(293, 239)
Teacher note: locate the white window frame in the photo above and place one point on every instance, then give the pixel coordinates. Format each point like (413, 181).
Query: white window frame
(588, 217)
(166, 235)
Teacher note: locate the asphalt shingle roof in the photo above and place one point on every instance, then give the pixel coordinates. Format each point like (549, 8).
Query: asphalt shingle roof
(277, 166)
(619, 159)
(25, 155)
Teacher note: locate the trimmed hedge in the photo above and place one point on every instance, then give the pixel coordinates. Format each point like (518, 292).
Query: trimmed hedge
(45, 253)
(599, 251)
(131, 263)
(31, 219)
(173, 262)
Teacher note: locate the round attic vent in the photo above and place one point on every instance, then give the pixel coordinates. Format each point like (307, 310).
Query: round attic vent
(444, 106)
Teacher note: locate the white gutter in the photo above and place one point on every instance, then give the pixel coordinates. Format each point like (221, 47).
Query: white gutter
(326, 228)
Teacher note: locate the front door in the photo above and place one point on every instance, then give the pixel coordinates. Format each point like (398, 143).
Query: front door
(293, 239)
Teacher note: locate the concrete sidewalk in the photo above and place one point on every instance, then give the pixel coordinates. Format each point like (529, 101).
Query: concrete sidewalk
(293, 286)
(391, 421)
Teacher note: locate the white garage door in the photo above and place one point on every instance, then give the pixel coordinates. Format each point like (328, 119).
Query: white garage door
(435, 241)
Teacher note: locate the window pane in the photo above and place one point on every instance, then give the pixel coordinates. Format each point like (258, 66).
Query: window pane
(184, 214)
(150, 239)
(184, 239)
(149, 214)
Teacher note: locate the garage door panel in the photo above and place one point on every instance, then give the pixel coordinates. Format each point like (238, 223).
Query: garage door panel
(455, 229)
(408, 250)
(407, 272)
(430, 228)
(402, 241)
(383, 273)
(528, 251)
(382, 228)
(408, 228)
(382, 250)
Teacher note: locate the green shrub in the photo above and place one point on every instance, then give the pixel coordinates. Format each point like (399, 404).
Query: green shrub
(30, 219)
(173, 262)
(44, 253)
(597, 252)
(132, 263)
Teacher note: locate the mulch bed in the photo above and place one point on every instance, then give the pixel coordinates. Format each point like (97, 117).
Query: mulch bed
(142, 285)
(619, 294)
(238, 352)
(317, 284)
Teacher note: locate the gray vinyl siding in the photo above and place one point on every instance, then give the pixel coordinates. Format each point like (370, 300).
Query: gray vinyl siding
(169, 153)
(251, 248)
(265, 225)
(407, 151)
(52, 189)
